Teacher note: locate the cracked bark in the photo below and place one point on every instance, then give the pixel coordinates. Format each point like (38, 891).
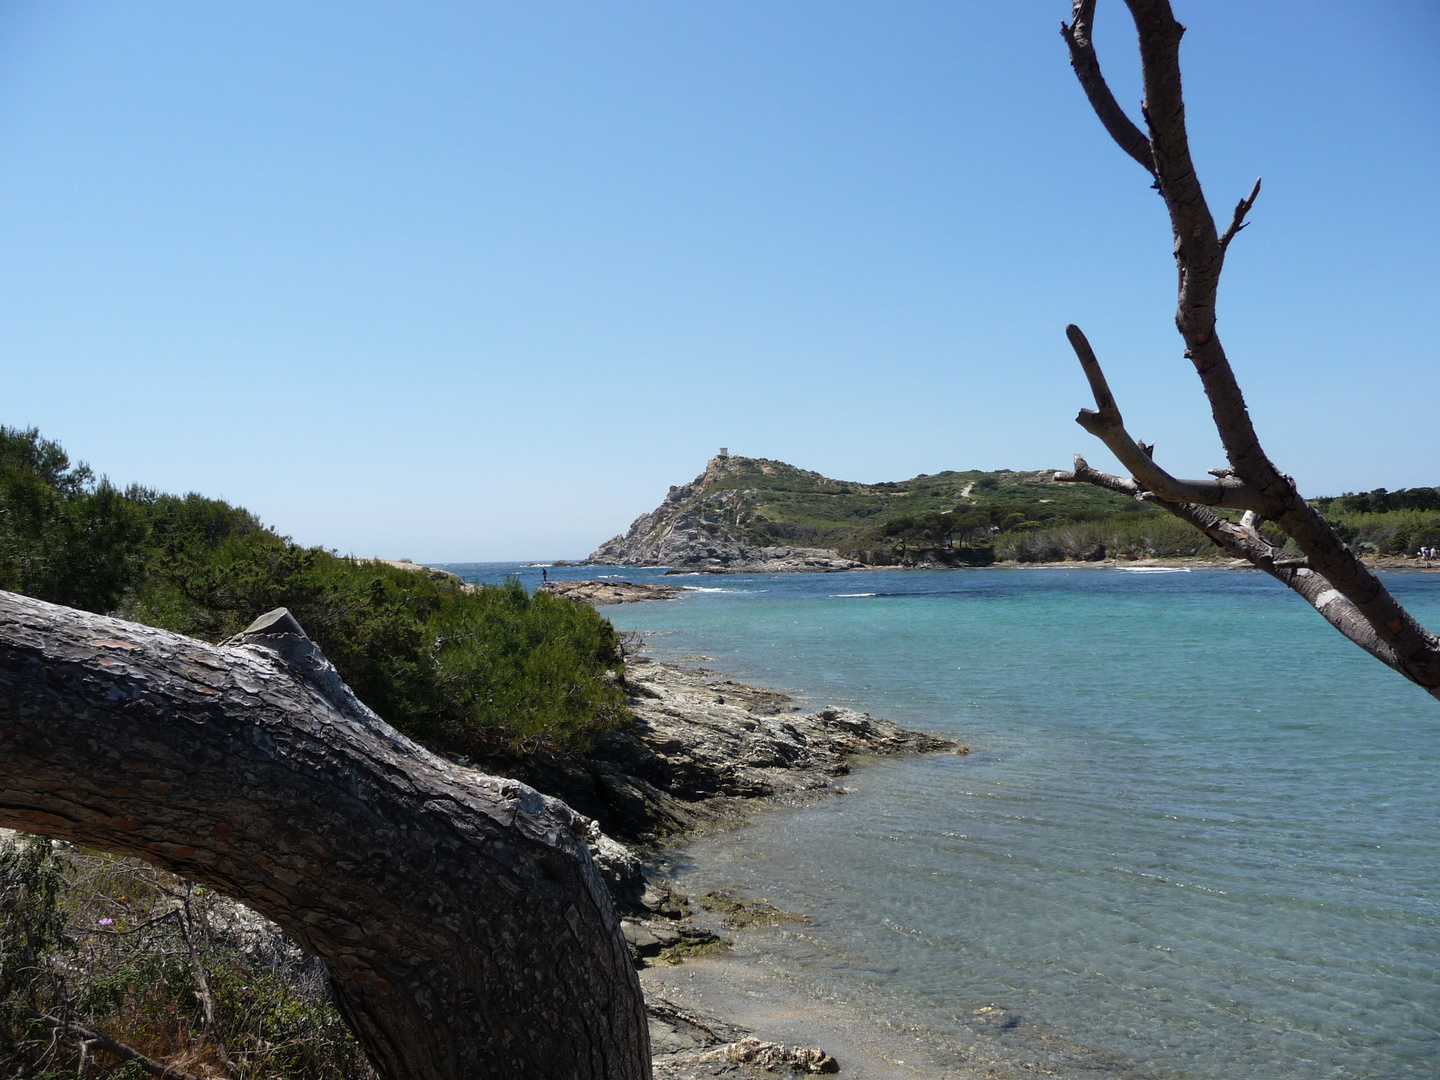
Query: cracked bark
(1332, 579)
(466, 929)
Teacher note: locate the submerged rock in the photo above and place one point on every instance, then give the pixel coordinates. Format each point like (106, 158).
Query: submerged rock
(772, 1056)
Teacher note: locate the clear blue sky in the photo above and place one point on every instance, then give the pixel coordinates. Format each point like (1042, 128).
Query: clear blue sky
(476, 281)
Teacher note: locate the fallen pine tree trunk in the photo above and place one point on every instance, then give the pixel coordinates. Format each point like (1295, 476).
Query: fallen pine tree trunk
(465, 926)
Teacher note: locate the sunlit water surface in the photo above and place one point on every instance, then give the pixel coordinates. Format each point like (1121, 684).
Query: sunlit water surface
(1196, 829)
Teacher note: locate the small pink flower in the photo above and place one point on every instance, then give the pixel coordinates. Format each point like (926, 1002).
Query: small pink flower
(107, 922)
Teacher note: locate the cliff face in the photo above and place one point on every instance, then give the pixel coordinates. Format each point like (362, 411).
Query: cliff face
(716, 524)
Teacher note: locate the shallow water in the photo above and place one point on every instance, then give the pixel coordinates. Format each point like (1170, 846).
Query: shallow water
(1197, 829)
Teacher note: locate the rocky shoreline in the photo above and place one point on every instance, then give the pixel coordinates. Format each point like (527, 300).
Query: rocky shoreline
(703, 753)
(720, 1003)
(721, 749)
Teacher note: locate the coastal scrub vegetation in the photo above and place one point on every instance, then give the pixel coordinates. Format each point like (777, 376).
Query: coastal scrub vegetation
(1396, 523)
(469, 670)
(90, 943)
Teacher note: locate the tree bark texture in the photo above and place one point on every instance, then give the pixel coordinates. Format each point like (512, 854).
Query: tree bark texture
(1333, 579)
(466, 928)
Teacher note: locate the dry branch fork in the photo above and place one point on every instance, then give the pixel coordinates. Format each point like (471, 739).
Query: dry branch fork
(1329, 576)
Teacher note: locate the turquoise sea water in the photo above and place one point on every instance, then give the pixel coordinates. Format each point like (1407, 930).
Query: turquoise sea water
(1197, 830)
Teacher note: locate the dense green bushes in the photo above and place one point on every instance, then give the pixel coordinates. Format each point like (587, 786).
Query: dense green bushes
(63, 536)
(1396, 532)
(474, 671)
(1380, 501)
(1158, 535)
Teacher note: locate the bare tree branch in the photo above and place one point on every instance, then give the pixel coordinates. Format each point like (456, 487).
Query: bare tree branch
(1370, 615)
(1084, 474)
(1107, 425)
(1087, 69)
(1238, 222)
(1249, 545)
(1245, 542)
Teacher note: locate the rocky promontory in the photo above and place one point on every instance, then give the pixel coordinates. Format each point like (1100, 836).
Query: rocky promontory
(717, 524)
(756, 515)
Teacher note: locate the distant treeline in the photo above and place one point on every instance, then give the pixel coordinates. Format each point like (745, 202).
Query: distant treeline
(472, 671)
(1379, 522)
(1024, 528)
(1380, 501)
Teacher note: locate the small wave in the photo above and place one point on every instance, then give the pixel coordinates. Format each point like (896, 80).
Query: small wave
(704, 588)
(842, 594)
(1154, 569)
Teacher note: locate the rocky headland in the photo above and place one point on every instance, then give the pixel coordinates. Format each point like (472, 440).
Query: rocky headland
(759, 516)
(756, 515)
(714, 524)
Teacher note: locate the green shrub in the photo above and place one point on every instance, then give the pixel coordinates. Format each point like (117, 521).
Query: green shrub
(32, 925)
(475, 671)
(1400, 531)
(64, 537)
(1138, 536)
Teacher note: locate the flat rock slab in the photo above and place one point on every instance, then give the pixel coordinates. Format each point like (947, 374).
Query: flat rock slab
(597, 593)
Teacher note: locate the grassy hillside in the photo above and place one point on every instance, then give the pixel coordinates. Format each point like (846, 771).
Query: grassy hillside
(977, 517)
(965, 517)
